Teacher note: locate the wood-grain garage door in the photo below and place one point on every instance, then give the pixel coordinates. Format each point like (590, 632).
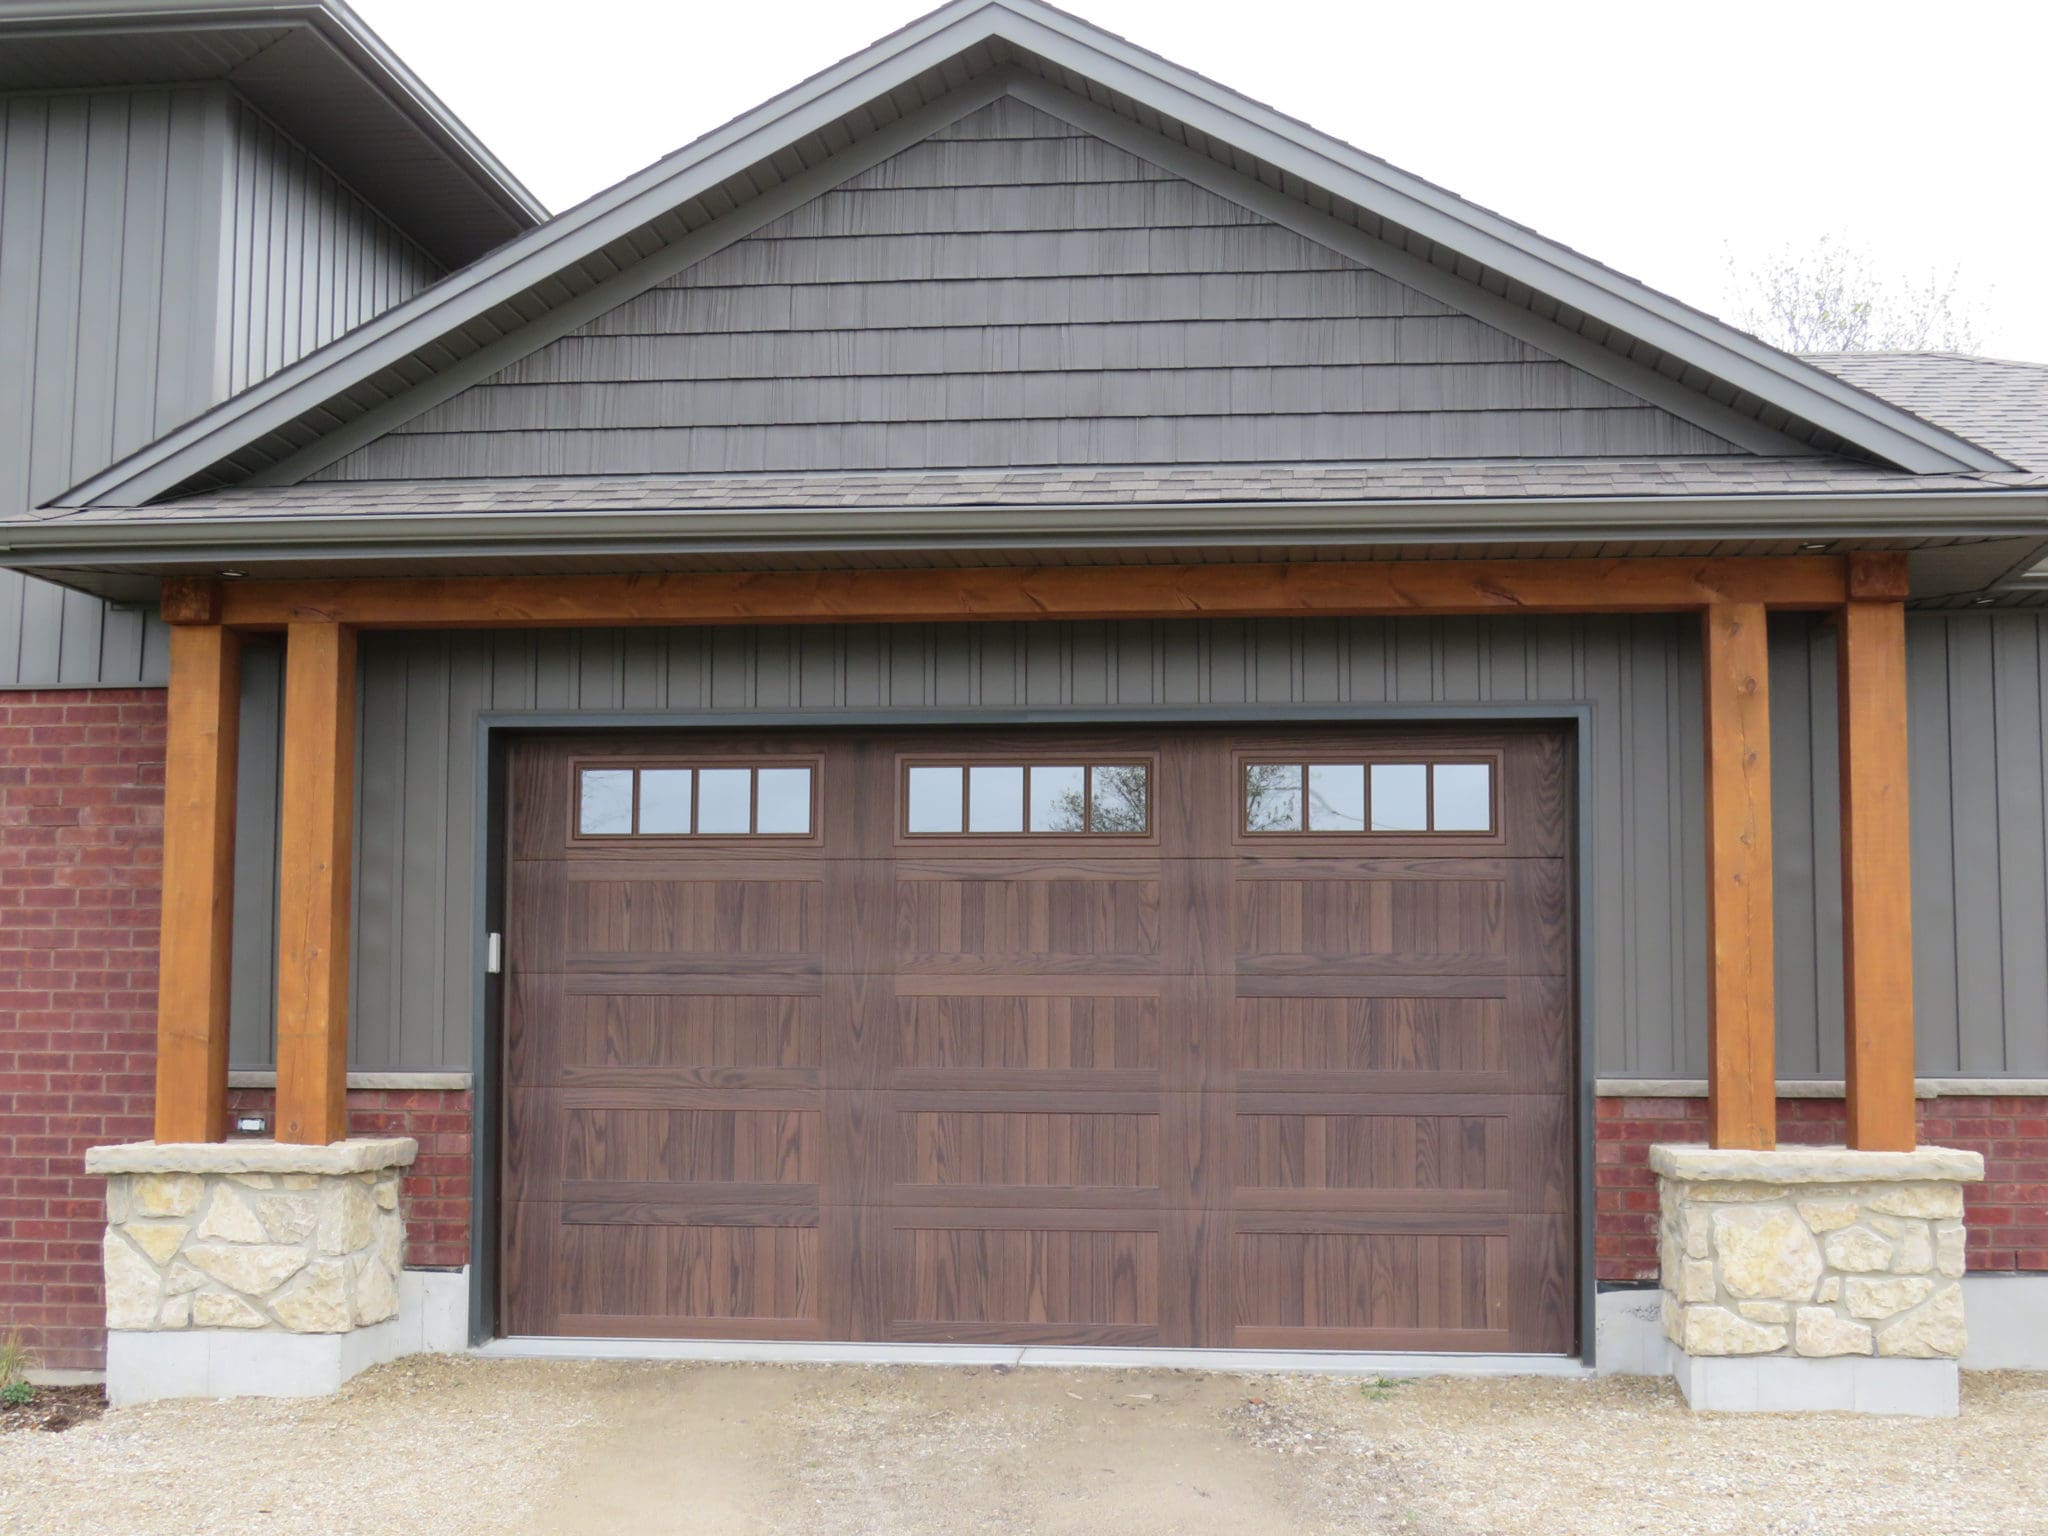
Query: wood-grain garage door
(1194, 1037)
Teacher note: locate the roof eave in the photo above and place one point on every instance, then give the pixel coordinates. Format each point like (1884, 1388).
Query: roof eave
(354, 46)
(1980, 513)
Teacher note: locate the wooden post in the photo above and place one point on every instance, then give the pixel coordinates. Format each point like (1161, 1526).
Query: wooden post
(314, 854)
(1742, 1105)
(194, 958)
(1877, 888)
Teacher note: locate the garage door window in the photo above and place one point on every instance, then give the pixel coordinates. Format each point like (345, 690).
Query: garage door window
(705, 800)
(1361, 797)
(1024, 799)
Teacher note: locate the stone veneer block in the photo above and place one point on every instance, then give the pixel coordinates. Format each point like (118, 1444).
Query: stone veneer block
(251, 1238)
(1859, 1251)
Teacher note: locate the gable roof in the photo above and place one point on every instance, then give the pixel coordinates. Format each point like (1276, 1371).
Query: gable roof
(316, 70)
(932, 72)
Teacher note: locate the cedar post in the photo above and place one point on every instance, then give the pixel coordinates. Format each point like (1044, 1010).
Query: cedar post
(1742, 1105)
(314, 853)
(1877, 890)
(195, 954)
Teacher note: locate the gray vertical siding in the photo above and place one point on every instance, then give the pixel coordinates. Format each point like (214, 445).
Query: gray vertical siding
(107, 294)
(306, 258)
(1980, 783)
(158, 249)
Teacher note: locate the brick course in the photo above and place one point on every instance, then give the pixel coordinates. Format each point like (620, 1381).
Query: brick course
(81, 847)
(2007, 1213)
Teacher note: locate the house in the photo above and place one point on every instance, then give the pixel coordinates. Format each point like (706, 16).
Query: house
(1018, 704)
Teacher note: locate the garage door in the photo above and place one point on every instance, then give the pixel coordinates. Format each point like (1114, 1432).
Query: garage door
(1181, 1038)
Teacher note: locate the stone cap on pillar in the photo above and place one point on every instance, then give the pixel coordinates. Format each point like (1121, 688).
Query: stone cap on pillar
(1695, 1164)
(362, 1154)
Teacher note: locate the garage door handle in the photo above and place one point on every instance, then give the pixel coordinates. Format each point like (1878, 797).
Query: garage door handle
(494, 954)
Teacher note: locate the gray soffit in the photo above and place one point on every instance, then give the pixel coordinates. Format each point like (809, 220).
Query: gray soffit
(902, 89)
(315, 69)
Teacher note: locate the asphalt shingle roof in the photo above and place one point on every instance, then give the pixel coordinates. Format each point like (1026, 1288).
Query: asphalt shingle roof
(1998, 405)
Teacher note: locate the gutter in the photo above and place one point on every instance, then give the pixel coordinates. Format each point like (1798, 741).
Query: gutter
(144, 541)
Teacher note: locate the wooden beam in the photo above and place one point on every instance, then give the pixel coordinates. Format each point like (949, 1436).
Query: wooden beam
(317, 817)
(189, 600)
(1742, 1106)
(1877, 885)
(1010, 593)
(198, 888)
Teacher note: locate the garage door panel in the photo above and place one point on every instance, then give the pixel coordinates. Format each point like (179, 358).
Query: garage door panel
(743, 1282)
(646, 1034)
(1542, 1301)
(1372, 1290)
(656, 925)
(1041, 1153)
(1073, 1031)
(1375, 1153)
(1384, 1037)
(1543, 1154)
(702, 1144)
(1059, 925)
(1062, 1283)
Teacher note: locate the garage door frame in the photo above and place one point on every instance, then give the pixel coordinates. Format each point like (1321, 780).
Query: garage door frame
(497, 731)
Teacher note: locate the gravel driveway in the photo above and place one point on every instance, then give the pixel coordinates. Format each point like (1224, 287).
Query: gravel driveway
(438, 1445)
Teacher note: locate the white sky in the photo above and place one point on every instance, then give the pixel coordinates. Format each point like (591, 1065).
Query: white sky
(1662, 137)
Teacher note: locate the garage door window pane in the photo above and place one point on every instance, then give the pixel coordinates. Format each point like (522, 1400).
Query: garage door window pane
(723, 796)
(1117, 797)
(604, 805)
(1272, 797)
(1400, 797)
(995, 799)
(935, 799)
(784, 807)
(665, 801)
(1463, 797)
(1059, 799)
(1336, 797)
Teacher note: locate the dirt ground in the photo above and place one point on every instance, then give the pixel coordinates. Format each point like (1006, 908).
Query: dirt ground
(435, 1446)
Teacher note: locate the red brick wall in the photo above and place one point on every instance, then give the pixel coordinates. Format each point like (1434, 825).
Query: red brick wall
(81, 821)
(434, 1195)
(2007, 1213)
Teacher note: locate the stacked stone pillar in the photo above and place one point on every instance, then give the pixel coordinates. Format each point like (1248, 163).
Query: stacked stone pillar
(1814, 1277)
(250, 1268)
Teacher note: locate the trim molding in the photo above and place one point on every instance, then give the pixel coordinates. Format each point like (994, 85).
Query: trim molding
(403, 1082)
(1826, 1088)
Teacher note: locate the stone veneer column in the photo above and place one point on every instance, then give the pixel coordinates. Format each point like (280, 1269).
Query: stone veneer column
(250, 1268)
(1814, 1277)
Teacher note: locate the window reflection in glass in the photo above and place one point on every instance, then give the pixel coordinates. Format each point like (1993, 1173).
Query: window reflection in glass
(723, 801)
(995, 798)
(783, 801)
(935, 799)
(1058, 799)
(1117, 800)
(1336, 797)
(604, 805)
(1463, 796)
(664, 800)
(1272, 797)
(1400, 797)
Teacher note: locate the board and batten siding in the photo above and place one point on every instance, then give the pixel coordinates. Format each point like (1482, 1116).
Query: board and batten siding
(1979, 682)
(1012, 291)
(159, 249)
